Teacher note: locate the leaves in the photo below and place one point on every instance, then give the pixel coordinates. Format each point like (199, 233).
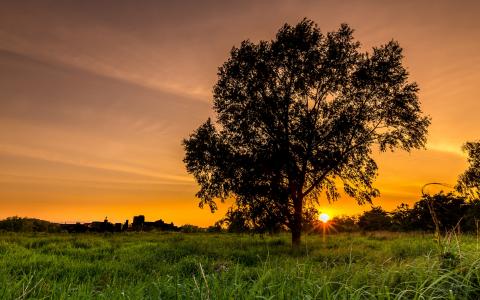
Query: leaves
(469, 182)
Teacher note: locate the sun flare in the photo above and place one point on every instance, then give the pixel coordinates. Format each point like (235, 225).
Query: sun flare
(324, 217)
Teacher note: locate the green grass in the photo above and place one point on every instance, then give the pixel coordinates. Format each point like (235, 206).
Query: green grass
(227, 266)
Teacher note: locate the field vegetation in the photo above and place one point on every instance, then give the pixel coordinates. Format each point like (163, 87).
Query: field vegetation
(155, 265)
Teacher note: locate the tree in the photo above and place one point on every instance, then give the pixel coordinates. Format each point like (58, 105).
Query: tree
(375, 219)
(448, 210)
(469, 182)
(344, 223)
(402, 218)
(298, 116)
(236, 221)
(471, 221)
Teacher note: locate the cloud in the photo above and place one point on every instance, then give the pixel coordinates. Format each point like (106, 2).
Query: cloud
(446, 148)
(140, 173)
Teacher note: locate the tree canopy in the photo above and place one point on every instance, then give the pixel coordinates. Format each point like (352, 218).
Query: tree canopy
(469, 182)
(297, 118)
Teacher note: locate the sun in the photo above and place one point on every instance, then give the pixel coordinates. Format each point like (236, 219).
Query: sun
(324, 217)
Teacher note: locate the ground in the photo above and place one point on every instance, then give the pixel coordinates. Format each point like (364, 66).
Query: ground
(228, 266)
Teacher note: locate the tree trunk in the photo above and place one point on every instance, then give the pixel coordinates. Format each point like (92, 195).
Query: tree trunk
(296, 236)
(297, 222)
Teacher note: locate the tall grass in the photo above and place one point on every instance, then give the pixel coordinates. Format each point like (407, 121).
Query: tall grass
(227, 266)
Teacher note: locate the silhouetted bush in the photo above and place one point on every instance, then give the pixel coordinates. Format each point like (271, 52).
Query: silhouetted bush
(215, 228)
(17, 224)
(375, 219)
(471, 219)
(449, 209)
(403, 219)
(188, 228)
(345, 224)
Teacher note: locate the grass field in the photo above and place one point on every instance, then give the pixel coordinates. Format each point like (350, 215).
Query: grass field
(227, 266)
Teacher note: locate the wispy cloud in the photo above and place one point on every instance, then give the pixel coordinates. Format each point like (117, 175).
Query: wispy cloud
(447, 148)
(96, 66)
(40, 154)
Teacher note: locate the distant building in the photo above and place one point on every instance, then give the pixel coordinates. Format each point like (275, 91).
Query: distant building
(117, 227)
(125, 226)
(138, 222)
(75, 228)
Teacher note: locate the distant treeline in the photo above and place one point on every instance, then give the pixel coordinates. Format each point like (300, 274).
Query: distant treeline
(18, 224)
(450, 211)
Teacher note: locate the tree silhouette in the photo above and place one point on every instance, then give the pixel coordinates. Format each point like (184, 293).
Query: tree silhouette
(236, 221)
(299, 115)
(402, 218)
(374, 219)
(469, 182)
(345, 223)
(449, 210)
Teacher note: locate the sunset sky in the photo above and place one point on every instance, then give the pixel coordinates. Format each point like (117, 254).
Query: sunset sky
(96, 97)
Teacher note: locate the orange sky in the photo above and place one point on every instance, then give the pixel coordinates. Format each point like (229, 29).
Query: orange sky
(95, 97)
